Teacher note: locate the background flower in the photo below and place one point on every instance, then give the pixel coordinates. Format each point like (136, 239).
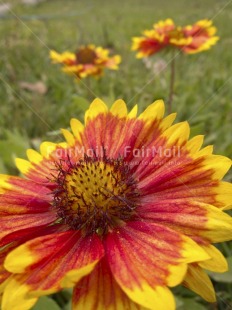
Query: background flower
(128, 206)
(190, 39)
(87, 61)
(155, 39)
(165, 34)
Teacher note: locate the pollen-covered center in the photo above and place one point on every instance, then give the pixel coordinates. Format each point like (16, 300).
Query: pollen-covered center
(85, 56)
(96, 195)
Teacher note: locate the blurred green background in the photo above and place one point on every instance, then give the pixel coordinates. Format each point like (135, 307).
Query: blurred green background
(203, 86)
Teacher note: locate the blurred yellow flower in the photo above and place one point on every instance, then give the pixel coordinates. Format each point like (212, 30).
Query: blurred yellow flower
(87, 61)
(189, 39)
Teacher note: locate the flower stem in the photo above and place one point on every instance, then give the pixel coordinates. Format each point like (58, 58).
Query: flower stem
(171, 84)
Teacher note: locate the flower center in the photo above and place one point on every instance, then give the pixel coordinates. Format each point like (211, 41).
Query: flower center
(95, 194)
(85, 56)
(176, 34)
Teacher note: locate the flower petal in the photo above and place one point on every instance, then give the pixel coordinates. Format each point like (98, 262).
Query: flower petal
(14, 240)
(202, 37)
(18, 223)
(22, 192)
(167, 121)
(46, 262)
(176, 174)
(77, 128)
(15, 295)
(133, 112)
(177, 134)
(145, 258)
(23, 205)
(34, 156)
(218, 226)
(99, 291)
(68, 137)
(119, 108)
(208, 150)
(224, 195)
(42, 170)
(153, 111)
(199, 282)
(97, 107)
(4, 274)
(112, 133)
(195, 144)
(219, 164)
(120, 136)
(23, 165)
(189, 217)
(217, 262)
(48, 148)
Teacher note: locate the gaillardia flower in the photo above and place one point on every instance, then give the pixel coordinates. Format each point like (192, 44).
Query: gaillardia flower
(87, 61)
(123, 210)
(190, 39)
(155, 39)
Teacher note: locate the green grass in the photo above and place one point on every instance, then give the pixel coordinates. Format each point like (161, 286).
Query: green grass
(203, 92)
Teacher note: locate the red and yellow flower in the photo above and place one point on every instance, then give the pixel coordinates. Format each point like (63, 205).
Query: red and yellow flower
(153, 40)
(202, 35)
(127, 207)
(87, 61)
(190, 39)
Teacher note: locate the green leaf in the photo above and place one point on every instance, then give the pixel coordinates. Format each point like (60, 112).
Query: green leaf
(47, 303)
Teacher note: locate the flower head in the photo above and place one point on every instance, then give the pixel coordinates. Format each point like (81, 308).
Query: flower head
(190, 39)
(127, 207)
(153, 40)
(87, 61)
